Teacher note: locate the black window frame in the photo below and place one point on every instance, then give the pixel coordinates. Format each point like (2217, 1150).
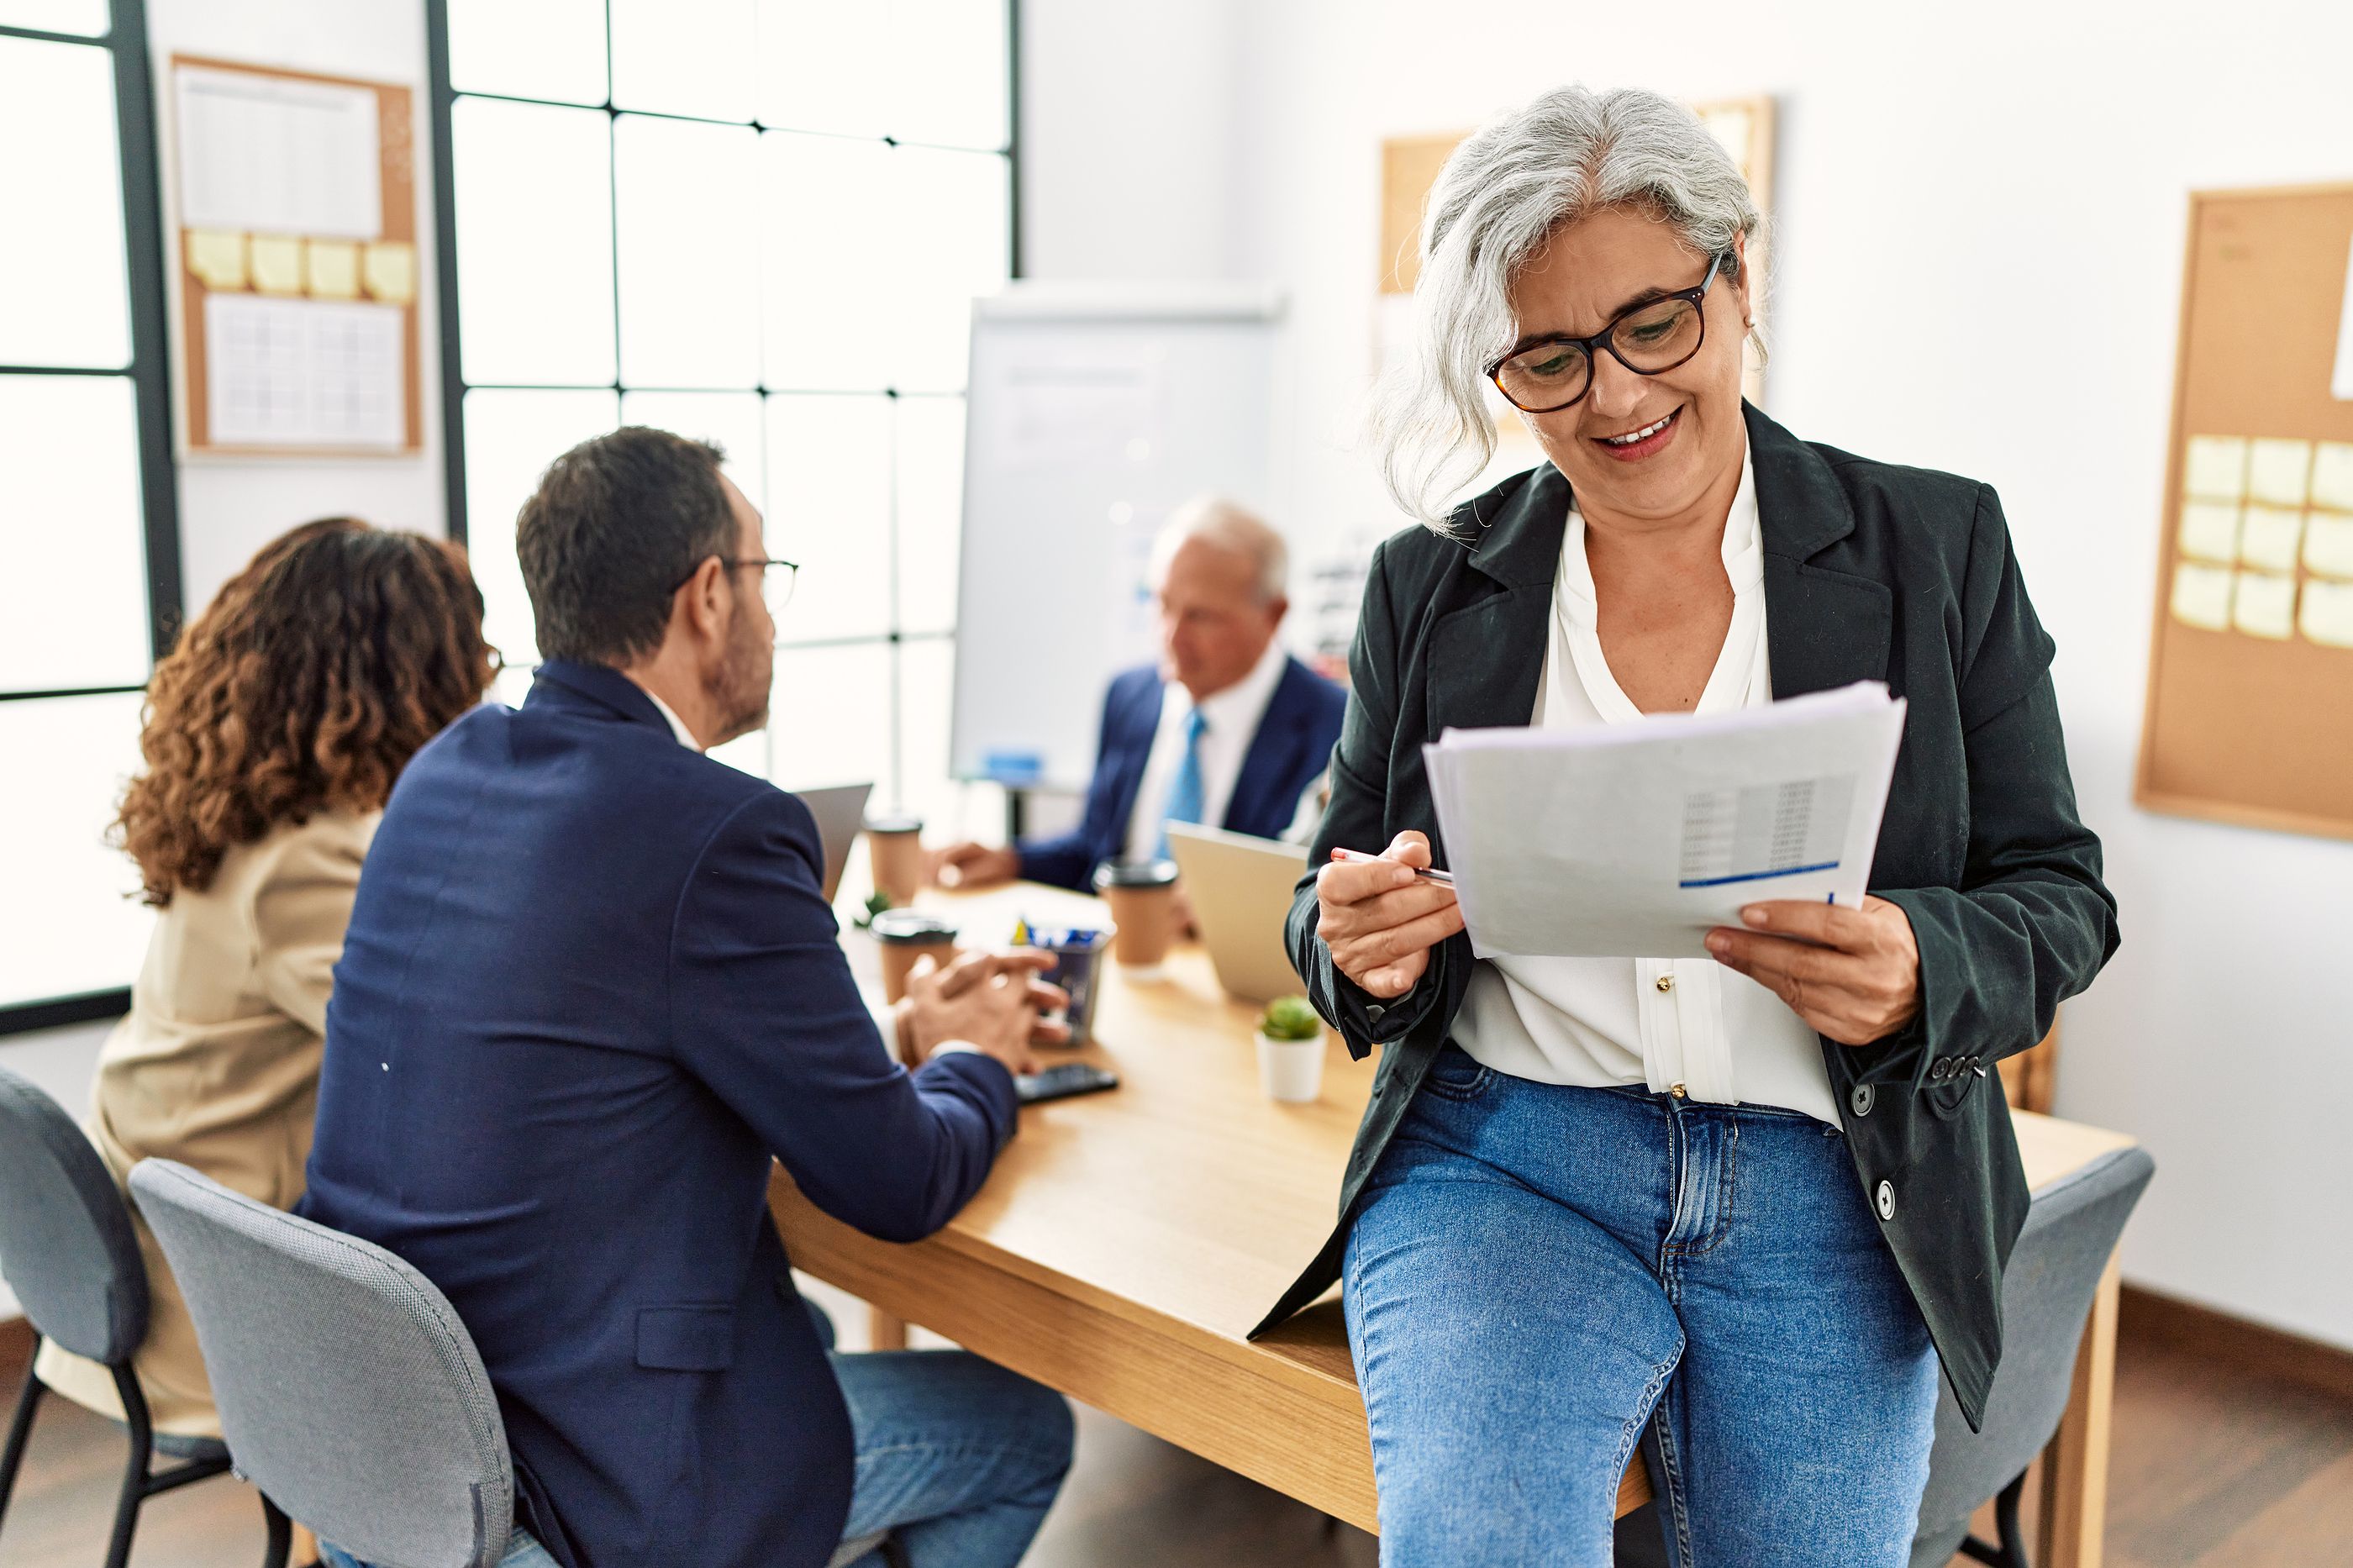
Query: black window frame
(454, 384)
(150, 374)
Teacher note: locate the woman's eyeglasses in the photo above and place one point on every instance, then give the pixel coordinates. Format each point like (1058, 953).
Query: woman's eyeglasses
(1648, 339)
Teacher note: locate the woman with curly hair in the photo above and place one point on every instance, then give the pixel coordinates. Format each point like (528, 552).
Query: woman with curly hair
(274, 733)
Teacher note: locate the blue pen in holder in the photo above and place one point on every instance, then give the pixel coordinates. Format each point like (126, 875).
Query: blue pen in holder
(1078, 965)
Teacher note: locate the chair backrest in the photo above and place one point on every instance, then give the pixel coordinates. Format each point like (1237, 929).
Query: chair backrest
(349, 1391)
(67, 1247)
(2046, 1295)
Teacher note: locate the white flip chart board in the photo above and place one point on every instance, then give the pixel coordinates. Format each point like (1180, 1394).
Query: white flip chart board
(1095, 411)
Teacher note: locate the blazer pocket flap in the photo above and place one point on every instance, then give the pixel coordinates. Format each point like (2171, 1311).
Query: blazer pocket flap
(686, 1339)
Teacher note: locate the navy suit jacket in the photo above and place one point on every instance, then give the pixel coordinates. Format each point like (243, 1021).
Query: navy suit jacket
(588, 989)
(1294, 744)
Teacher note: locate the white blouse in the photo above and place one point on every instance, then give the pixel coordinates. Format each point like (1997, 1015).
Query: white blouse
(1664, 1023)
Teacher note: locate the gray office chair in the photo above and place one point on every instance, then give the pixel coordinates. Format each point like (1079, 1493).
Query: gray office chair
(2046, 1296)
(349, 1390)
(353, 1395)
(67, 1250)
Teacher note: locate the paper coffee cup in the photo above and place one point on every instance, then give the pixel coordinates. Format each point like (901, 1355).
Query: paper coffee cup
(904, 936)
(1143, 899)
(894, 848)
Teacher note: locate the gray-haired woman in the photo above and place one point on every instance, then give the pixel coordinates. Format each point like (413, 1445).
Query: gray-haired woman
(1748, 1202)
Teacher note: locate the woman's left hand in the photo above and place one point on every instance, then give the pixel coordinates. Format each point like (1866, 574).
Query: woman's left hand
(1853, 974)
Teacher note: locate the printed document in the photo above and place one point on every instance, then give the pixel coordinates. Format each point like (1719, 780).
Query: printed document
(1633, 840)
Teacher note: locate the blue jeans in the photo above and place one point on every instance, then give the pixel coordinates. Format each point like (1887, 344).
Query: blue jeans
(1536, 1272)
(955, 1457)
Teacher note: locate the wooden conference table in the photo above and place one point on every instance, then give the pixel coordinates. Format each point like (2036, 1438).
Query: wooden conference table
(1127, 1241)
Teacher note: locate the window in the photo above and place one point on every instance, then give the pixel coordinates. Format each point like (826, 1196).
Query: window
(762, 222)
(90, 593)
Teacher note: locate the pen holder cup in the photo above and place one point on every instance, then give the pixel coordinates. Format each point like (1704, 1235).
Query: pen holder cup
(1077, 969)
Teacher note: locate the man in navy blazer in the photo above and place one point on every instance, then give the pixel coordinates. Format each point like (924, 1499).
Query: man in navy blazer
(590, 989)
(1226, 730)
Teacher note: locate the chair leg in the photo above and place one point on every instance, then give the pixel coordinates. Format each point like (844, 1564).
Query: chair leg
(20, 1429)
(134, 1473)
(281, 1535)
(2005, 1519)
(2008, 1549)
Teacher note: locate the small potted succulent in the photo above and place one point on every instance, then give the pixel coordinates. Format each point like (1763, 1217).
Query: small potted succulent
(1290, 1050)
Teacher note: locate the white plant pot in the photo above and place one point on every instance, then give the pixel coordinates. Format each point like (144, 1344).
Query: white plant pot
(1290, 1070)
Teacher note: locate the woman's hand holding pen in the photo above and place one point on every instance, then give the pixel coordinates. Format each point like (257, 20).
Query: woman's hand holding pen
(1853, 974)
(1380, 919)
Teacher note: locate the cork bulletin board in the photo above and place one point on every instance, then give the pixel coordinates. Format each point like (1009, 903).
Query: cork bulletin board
(295, 247)
(2250, 708)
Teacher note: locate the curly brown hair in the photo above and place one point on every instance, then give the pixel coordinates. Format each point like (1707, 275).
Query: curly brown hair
(306, 685)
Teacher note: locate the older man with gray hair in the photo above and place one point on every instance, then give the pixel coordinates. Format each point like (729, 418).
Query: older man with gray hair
(1226, 729)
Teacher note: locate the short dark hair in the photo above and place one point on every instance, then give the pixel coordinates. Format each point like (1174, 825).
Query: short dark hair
(615, 525)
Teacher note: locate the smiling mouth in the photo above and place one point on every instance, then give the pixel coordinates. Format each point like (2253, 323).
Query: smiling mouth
(1632, 438)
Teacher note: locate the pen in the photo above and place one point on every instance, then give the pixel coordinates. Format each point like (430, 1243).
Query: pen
(1443, 879)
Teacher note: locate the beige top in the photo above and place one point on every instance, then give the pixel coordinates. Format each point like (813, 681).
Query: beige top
(216, 1066)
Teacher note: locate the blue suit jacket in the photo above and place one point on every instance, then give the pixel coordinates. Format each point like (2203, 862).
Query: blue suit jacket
(588, 989)
(1292, 745)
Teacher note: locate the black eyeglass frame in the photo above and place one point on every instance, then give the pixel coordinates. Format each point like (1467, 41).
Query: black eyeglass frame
(733, 563)
(1606, 339)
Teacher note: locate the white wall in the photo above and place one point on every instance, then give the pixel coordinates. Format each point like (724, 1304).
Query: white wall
(1941, 176)
(231, 507)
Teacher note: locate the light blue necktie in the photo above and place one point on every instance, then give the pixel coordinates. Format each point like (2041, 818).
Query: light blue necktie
(1185, 789)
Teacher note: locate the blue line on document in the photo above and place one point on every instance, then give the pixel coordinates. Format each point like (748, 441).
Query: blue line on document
(1757, 876)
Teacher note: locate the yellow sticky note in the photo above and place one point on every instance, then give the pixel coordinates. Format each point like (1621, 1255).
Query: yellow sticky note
(2332, 475)
(276, 264)
(2268, 538)
(216, 256)
(2264, 605)
(390, 271)
(2215, 468)
(2279, 472)
(2210, 529)
(2201, 596)
(335, 269)
(2328, 544)
(2328, 613)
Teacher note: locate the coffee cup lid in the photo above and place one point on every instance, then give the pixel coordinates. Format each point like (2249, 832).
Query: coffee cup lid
(911, 926)
(894, 824)
(1136, 874)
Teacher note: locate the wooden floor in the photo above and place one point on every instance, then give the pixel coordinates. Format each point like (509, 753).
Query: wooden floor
(2215, 1467)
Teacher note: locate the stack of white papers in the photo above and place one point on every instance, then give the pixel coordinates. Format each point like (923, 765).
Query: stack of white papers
(1633, 840)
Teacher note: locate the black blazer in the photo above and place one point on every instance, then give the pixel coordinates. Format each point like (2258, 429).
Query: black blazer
(1872, 572)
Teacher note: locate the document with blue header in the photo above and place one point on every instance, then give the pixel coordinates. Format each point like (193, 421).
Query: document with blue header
(1633, 840)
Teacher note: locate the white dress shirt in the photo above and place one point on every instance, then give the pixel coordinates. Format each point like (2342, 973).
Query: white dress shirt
(1663, 1022)
(1231, 720)
(677, 725)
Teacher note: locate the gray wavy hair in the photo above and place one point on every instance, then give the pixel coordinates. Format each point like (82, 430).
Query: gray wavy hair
(1519, 177)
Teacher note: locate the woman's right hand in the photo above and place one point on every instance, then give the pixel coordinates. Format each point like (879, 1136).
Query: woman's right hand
(1380, 921)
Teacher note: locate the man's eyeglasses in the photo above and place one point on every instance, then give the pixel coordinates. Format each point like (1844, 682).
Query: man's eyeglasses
(1648, 339)
(776, 587)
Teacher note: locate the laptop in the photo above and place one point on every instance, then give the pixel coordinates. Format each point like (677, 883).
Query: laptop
(1241, 890)
(841, 811)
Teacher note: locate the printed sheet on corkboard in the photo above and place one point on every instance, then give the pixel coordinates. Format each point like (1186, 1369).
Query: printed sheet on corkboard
(2250, 715)
(295, 243)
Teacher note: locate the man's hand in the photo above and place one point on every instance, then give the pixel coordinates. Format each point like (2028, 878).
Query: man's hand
(990, 1001)
(1853, 974)
(971, 865)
